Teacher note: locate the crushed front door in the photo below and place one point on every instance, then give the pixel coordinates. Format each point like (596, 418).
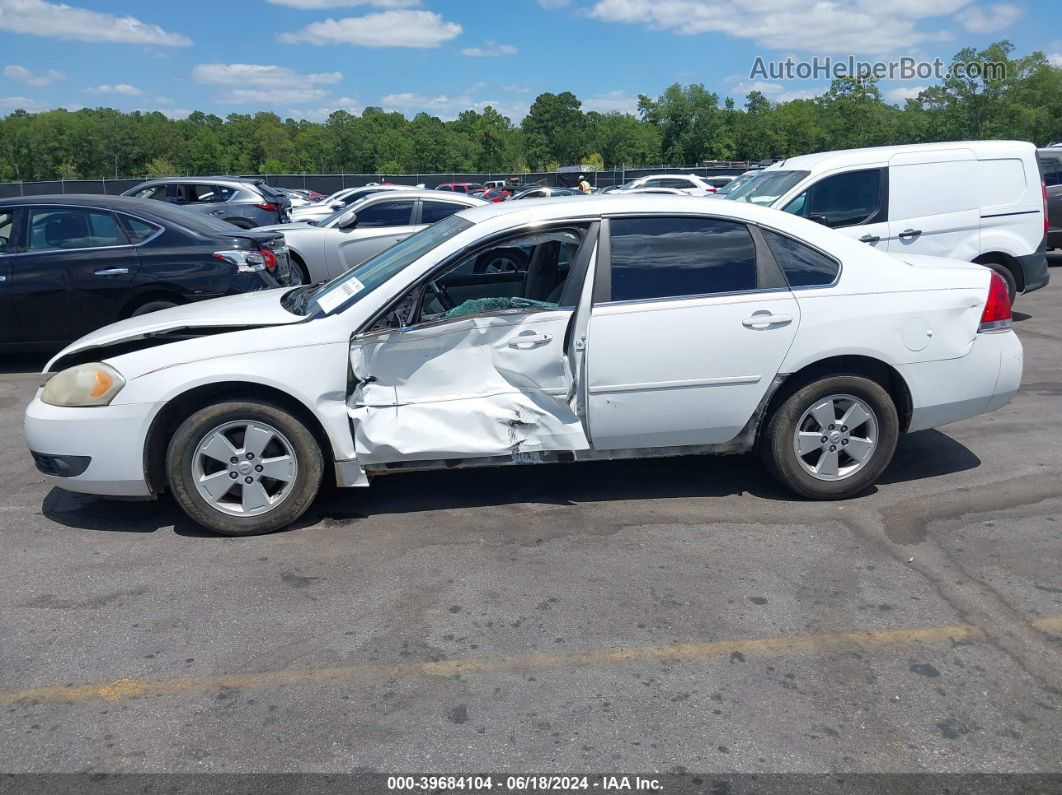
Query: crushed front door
(488, 385)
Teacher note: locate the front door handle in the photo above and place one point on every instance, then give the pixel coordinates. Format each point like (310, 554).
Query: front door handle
(112, 272)
(909, 234)
(765, 320)
(869, 239)
(531, 341)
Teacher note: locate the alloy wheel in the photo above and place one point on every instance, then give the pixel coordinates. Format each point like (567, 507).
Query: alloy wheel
(244, 468)
(836, 437)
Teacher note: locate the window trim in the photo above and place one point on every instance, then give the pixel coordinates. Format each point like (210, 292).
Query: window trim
(768, 271)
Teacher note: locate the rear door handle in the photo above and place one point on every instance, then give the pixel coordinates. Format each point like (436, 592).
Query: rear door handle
(870, 239)
(765, 319)
(531, 341)
(909, 234)
(112, 271)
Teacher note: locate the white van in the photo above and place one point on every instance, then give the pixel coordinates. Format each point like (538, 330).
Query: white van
(980, 201)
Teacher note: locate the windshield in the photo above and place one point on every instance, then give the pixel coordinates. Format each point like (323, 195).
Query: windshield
(734, 184)
(362, 279)
(766, 187)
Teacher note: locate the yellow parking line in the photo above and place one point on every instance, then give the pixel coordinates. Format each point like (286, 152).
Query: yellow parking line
(680, 652)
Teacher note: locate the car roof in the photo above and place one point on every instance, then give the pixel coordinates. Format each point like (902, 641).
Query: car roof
(533, 210)
(827, 161)
(428, 193)
(127, 203)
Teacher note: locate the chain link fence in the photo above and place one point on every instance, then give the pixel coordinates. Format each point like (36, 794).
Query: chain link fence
(330, 183)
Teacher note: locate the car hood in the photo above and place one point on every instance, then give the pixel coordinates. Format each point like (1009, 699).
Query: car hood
(246, 310)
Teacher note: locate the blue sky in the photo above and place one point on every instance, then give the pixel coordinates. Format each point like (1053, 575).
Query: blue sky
(305, 58)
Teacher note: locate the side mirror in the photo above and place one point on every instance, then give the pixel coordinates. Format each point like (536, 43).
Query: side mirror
(337, 205)
(347, 220)
(819, 219)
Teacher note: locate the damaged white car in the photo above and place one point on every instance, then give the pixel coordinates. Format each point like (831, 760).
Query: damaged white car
(638, 326)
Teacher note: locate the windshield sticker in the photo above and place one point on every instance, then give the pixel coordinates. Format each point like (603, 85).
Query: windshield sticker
(343, 291)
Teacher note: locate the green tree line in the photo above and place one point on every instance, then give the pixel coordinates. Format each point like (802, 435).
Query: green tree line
(684, 125)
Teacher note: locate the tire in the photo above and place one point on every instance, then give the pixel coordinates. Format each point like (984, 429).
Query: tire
(501, 260)
(778, 444)
(1008, 277)
(152, 306)
(232, 513)
(297, 262)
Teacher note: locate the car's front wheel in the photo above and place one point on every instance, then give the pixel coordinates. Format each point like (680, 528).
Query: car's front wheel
(243, 468)
(832, 438)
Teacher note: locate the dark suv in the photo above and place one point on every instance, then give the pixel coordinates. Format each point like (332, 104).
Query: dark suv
(1051, 167)
(244, 202)
(70, 264)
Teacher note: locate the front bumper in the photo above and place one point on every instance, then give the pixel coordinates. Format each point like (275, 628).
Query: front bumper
(983, 380)
(110, 437)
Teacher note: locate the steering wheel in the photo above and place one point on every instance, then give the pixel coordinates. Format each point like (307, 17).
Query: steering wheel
(441, 295)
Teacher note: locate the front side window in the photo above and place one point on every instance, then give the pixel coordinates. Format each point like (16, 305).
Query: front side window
(430, 212)
(58, 228)
(842, 200)
(7, 228)
(385, 213)
(676, 257)
(152, 192)
(803, 265)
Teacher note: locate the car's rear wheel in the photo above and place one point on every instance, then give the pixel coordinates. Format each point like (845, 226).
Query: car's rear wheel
(152, 306)
(833, 438)
(243, 468)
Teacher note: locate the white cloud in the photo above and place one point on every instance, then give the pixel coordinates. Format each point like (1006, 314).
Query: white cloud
(117, 88)
(989, 19)
(861, 27)
(554, 3)
(447, 107)
(24, 75)
(803, 93)
(259, 75)
(21, 103)
(386, 29)
(349, 104)
(765, 88)
(901, 93)
(612, 102)
(490, 49)
(58, 20)
(273, 96)
(316, 5)
(1055, 59)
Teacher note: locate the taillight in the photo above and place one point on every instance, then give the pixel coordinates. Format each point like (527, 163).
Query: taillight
(1043, 189)
(996, 315)
(269, 207)
(710, 190)
(269, 258)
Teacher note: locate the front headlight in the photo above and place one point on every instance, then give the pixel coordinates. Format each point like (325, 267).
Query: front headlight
(93, 384)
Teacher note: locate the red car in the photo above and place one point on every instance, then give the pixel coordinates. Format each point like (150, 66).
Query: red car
(493, 195)
(460, 187)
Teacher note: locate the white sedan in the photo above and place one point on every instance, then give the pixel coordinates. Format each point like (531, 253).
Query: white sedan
(323, 249)
(686, 183)
(641, 326)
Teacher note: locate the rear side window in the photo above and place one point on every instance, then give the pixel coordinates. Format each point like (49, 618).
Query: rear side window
(675, 257)
(1052, 170)
(152, 192)
(386, 213)
(430, 212)
(57, 228)
(803, 265)
(138, 230)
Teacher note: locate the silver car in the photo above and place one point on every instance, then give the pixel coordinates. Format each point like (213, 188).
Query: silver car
(244, 202)
(350, 235)
(339, 200)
